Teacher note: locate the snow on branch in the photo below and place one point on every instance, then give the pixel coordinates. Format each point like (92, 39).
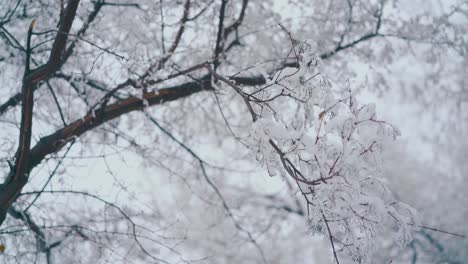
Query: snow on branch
(317, 135)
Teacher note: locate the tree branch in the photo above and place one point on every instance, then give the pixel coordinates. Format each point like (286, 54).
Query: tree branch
(18, 176)
(15, 99)
(220, 38)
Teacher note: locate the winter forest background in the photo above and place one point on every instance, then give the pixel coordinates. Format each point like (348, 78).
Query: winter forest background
(233, 131)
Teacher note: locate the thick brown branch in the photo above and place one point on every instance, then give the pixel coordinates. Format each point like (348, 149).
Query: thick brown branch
(58, 47)
(55, 141)
(18, 175)
(16, 99)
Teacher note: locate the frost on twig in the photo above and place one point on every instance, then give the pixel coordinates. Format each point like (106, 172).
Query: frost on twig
(317, 135)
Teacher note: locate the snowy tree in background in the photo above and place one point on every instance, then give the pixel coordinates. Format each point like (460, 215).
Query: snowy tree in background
(222, 131)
